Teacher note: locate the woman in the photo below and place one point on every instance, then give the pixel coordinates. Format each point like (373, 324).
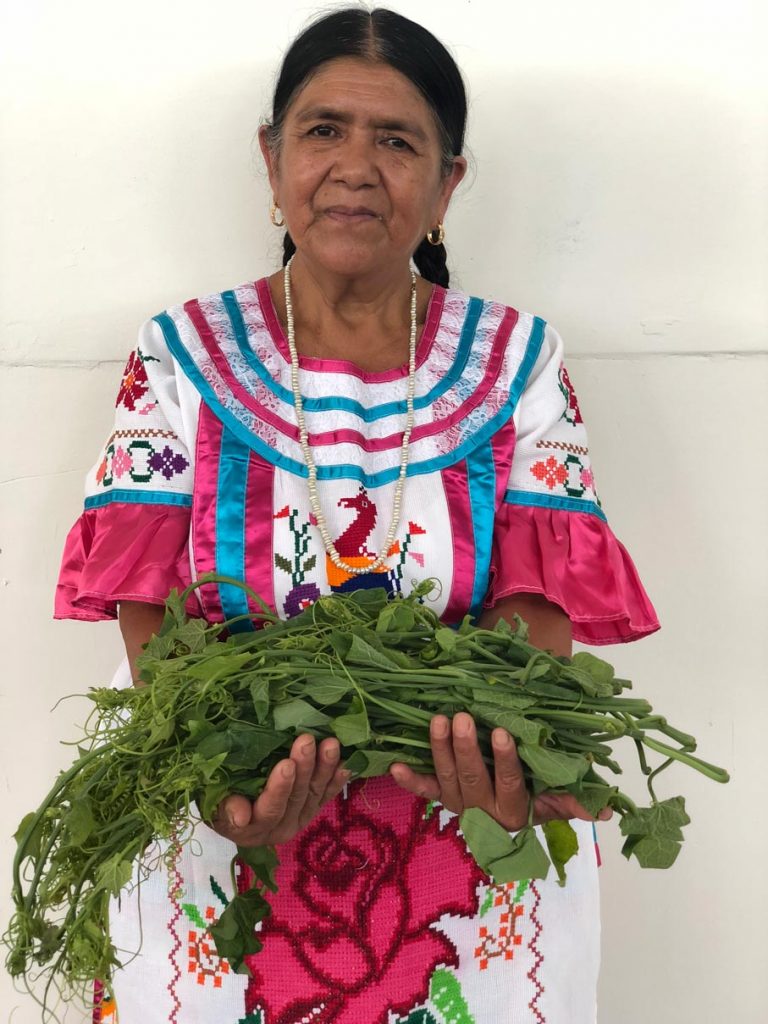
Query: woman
(346, 423)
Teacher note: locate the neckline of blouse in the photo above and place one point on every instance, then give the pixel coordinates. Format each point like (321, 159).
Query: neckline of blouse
(318, 365)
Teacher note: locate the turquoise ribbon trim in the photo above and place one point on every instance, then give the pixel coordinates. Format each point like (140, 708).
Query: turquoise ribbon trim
(337, 403)
(481, 479)
(347, 471)
(139, 498)
(230, 526)
(534, 500)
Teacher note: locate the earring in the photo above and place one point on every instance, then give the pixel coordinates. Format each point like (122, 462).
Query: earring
(272, 211)
(440, 235)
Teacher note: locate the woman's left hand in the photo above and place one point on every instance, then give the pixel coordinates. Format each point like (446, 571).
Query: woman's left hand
(462, 780)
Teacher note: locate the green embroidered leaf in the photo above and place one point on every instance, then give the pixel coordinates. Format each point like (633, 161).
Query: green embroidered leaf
(218, 892)
(562, 844)
(310, 563)
(487, 903)
(283, 563)
(554, 767)
(194, 915)
(445, 993)
(420, 1016)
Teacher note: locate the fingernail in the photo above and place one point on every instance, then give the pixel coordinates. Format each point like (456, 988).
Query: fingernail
(502, 739)
(440, 728)
(288, 770)
(346, 774)
(462, 724)
(330, 753)
(308, 747)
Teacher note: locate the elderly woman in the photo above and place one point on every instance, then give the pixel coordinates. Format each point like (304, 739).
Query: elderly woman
(344, 423)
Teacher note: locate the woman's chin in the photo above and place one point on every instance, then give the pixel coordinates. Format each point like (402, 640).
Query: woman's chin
(352, 259)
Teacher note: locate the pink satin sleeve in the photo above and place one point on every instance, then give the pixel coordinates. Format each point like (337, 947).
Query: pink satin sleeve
(574, 560)
(123, 552)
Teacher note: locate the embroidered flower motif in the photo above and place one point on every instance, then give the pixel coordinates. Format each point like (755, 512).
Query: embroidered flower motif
(283, 513)
(587, 478)
(550, 472)
(415, 530)
(122, 462)
(417, 557)
(352, 926)
(168, 462)
(571, 413)
(134, 384)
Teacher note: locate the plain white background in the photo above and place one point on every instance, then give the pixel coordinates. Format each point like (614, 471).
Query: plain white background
(619, 190)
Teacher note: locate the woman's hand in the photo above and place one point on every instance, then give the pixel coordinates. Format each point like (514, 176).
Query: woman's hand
(461, 778)
(295, 791)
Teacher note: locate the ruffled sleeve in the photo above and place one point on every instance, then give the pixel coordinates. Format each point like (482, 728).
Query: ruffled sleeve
(131, 542)
(551, 534)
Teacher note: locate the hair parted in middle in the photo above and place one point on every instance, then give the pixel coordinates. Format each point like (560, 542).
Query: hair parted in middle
(390, 38)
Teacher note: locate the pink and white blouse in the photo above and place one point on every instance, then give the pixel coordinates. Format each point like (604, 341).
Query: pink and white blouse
(381, 915)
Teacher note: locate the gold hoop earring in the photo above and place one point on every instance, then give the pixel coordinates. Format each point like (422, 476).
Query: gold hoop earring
(272, 211)
(440, 235)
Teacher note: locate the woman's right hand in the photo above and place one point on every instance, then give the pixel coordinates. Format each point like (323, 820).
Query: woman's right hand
(295, 791)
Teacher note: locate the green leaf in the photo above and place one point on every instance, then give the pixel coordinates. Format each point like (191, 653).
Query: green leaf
(503, 697)
(525, 729)
(29, 834)
(562, 844)
(353, 728)
(259, 687)
(234, 933)
(487, 903)
(504, 857)
(80, 821)
(593, 800)
(594, 675)
(446, 996)
(263, 861)
(365, 764)
(419, 1016)
(158, 647)
(324, 690)
(361, 652)
(553, 767)
(283, 563)
(397, 617)
(664, 819)
(113, 875)
(652, 851)
(446, 639)
(222, 665)
(298, 714)
(192, 635)
(310, 563)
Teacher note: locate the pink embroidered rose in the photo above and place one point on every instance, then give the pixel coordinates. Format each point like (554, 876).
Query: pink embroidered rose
(352, 925)
(134, 384)
(587, 479)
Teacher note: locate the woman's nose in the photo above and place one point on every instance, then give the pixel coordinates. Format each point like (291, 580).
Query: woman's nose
(356, 164)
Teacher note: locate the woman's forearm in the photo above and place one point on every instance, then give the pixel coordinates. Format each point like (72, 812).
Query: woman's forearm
(138, 622)
(548, 626)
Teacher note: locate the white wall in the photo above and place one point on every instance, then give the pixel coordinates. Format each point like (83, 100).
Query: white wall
(619, 192)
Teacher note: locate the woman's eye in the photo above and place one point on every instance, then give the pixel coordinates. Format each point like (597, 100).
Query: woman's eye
(395, 142)
(322, 131)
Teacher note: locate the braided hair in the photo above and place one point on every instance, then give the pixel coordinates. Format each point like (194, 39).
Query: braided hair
(408, 47)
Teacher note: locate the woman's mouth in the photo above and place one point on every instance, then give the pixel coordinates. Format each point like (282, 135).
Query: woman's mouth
(352, 214)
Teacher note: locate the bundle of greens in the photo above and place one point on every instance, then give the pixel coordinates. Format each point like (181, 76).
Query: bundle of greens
(220, 708)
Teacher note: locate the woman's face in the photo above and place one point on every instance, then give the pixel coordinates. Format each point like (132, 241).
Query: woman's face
(358, 175)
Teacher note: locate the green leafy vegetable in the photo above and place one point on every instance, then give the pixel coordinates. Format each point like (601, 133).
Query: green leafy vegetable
(221, 709)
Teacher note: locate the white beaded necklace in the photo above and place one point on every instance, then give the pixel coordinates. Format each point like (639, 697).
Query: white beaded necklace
(314, 498)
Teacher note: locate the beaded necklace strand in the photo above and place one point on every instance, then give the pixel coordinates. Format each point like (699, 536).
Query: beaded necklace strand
(314, 498)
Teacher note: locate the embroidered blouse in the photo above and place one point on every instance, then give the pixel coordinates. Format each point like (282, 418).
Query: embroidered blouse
(381, 915)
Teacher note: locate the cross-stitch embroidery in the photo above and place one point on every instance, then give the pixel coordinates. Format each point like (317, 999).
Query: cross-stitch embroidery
(134, 384)
(302, 593)
(139, 461)
(500, 941)
(571, 413)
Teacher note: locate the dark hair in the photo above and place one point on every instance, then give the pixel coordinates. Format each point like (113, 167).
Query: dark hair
(381, 35)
